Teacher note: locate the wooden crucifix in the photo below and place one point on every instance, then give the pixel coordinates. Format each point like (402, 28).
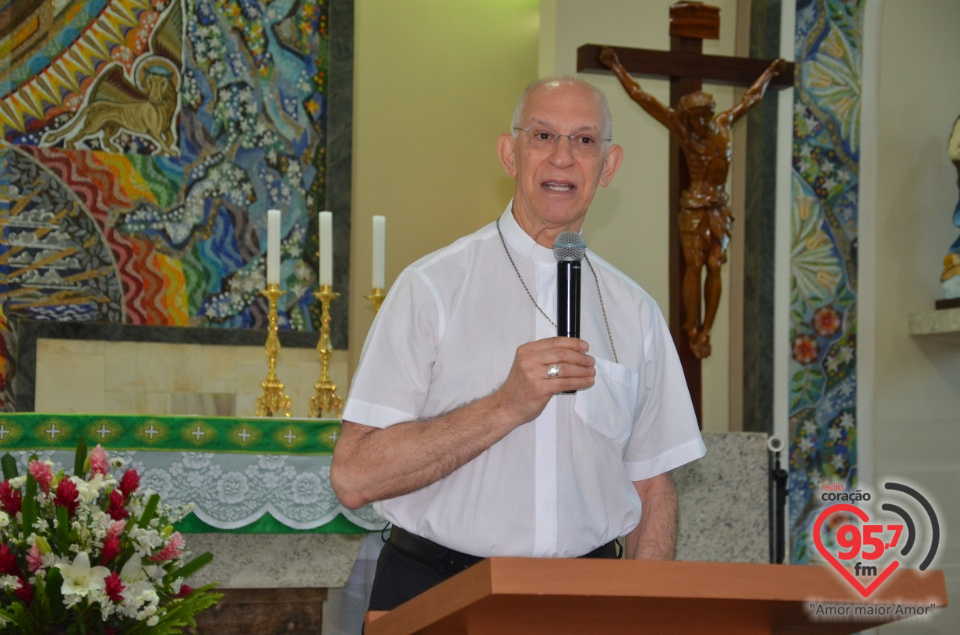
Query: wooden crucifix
(699, 216)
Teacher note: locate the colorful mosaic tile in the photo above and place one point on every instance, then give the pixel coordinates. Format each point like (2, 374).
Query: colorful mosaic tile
(823, 260)
(143, 143)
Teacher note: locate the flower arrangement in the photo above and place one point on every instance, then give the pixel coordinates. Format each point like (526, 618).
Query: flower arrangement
(90, 554)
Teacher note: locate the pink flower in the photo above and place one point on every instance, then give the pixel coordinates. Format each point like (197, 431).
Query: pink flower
(185, 590)
(129, 482)
(40, 471)
(34, 559)
(172, 551)
(116, 528)
(99, 463)
(10, 499)
(67, 495)
(111, 549)
(116, 509)
(114, 587)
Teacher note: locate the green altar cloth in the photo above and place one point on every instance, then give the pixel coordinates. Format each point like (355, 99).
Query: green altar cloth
(258, 475)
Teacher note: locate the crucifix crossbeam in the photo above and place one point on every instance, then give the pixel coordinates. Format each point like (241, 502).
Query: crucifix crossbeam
(716, 69)
(687, 68)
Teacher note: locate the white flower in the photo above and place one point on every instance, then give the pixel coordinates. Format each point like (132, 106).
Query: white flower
(107, 607)
(4, 519)
(80, 579)
(145, 540)
(154, 572)
(10, 582)
(140, 599)
(90, 490)
(132, 571)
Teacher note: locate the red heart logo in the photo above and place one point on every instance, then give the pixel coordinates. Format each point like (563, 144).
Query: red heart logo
(845, 572)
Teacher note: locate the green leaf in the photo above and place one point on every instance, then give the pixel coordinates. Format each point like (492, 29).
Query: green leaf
(149, 511)
(9, 465)
(54, 583)
(80, 458)
(190, 568)
(63, 529)
(28, 508)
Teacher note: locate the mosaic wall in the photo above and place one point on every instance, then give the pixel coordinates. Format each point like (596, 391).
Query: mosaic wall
(142, 143)
(823, 293)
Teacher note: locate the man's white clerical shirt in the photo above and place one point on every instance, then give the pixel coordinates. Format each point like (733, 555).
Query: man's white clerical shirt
(559, 486)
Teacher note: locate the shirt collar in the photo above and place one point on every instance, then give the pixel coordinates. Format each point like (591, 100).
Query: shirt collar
(521, 242)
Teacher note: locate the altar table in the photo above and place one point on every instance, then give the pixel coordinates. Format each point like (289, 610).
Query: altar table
(247, 475)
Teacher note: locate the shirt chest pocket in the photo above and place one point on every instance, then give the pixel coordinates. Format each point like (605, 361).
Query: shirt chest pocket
(609, 407)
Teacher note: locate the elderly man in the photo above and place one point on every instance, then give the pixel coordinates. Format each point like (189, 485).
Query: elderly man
(457, 424)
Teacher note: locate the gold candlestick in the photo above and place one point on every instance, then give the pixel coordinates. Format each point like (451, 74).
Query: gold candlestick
(272, 399)
(376, 296)
(325, 397)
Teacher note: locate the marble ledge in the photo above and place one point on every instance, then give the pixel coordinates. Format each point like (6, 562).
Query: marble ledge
(260, 561)
(942, 322)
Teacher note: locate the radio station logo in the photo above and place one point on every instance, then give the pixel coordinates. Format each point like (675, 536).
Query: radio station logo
(867, 548)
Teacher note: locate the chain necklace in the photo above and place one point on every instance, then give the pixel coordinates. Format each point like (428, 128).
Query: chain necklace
(530, 295)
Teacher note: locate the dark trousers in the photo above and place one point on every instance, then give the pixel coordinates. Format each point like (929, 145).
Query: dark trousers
(400, 576)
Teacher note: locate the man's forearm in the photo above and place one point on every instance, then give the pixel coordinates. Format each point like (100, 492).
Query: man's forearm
(372, 463)
(655, 538)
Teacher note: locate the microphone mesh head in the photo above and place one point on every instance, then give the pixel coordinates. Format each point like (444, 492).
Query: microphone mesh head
(568, 247)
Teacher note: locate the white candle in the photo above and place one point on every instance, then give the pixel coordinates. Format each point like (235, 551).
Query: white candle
(379, 250)
(273, 246)
(326, 248)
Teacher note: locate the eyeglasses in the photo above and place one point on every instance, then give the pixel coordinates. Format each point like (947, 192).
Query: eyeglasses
(585, 145)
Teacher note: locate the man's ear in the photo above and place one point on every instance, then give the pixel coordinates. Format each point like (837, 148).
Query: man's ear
(611, 163)
(506, 148)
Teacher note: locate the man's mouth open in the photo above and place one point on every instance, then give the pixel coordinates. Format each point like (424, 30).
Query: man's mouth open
(557, 186)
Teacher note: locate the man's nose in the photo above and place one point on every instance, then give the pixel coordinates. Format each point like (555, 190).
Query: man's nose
(562, 150)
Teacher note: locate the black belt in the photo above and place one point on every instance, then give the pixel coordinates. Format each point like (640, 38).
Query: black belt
(448, 560)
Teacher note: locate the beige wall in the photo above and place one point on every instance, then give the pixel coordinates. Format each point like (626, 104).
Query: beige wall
(435, 84)
(916, 401)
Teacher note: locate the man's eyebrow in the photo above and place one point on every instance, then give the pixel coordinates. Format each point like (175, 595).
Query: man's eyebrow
(545, 124)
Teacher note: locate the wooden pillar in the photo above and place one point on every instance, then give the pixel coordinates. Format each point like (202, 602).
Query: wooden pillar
(690, 24)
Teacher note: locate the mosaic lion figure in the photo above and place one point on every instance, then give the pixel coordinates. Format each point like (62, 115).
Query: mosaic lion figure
(146, 109)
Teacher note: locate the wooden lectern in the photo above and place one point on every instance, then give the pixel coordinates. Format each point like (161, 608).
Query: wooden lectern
(529, 596)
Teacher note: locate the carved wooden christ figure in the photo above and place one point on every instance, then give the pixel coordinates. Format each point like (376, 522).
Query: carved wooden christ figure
(705, 219)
